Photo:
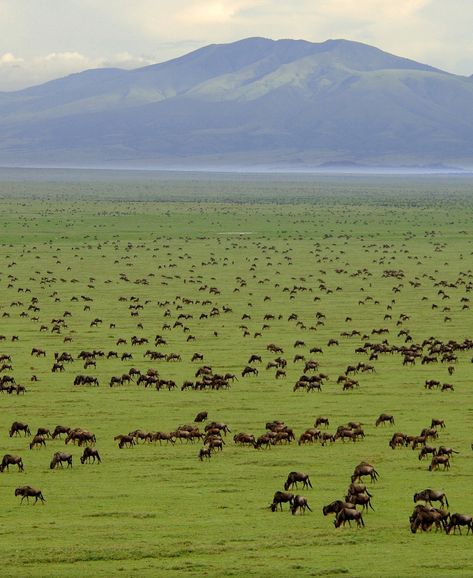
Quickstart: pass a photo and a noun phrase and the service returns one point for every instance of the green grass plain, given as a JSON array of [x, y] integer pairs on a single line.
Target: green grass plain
[[159, 511]]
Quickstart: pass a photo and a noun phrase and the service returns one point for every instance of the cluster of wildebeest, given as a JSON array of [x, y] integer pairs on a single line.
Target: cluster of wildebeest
[[374, 344]]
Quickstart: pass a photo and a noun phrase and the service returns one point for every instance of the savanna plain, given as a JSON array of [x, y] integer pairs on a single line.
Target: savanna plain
[[224, 267]]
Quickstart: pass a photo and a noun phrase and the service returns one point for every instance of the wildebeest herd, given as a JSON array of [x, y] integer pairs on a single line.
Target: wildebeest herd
[[236, 366]]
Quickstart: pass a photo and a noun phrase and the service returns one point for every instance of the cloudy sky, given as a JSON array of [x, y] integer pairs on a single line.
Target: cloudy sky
[[45, 39]]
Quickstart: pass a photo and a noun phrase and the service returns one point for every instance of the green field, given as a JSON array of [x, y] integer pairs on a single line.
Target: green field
[[183, 245]]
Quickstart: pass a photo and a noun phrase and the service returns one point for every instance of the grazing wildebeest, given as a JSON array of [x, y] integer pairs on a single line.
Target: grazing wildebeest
[[11, 460], [280, 498], [29, 492], [205, 453], [427, 450], [424, 518], [294, 477], [347, 515], [428, 496], [437, 422], [336, 506], [300, 503], [201, 416], [37, 441], [60, 429], [355, 489], [364, 469], [458, 520], [360, 499], [439, 460], [321, 420], [43, 431], [90, 454], [249, 371], [17, 426], [125, 440], [59, 458], [384, 418]]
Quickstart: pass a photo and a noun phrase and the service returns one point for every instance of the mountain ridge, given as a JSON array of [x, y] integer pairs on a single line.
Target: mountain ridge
[[257, 100]]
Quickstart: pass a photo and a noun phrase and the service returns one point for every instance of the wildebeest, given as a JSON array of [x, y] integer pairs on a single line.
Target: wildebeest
[[336, 506], [439, 460], [59, 458], [37, 441], [11, 460], [424, 518], [300, 503], [17, 426], [59, 430], [458, 520], [384, 418], [347, 515], [430, 496], [201, 416], [90, 454], [280, 498], [124, 440], [294, 477], [29, 492], [205, 453], [364, 469]]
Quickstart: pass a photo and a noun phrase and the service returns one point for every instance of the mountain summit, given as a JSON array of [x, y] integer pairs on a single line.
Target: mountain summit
[[251, 102]]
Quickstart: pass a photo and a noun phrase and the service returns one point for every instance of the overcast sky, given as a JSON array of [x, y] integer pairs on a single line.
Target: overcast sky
[[45, 39]]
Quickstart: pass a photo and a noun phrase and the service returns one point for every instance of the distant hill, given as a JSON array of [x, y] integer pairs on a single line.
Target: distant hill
[[287, 103]]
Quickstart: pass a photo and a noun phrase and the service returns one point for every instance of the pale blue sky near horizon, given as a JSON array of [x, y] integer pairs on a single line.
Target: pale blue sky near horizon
[[45, 39]]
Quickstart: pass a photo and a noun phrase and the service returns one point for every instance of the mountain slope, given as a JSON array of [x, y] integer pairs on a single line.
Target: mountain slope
[[252, 101]]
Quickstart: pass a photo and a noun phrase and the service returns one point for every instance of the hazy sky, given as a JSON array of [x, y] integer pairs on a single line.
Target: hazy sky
[[44, 39]]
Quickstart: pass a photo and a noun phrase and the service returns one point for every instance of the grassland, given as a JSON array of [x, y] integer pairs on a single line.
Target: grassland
[[156, 510]]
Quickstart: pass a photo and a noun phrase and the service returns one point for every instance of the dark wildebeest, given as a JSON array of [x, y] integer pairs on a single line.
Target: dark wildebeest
[[201, 416], [360, 499], [336, 506], [347, 515], [90, 453], [458, 520], [364, 469], [10, 460], [60, 429], [384, 418], [29, 492], [205, 453], [300, 503], [439, 460], [280, 498], [424, 518], [295, 477], [321, 420], [17, 426], [437, 422], [125, 440], [428, 496], [59, 458], [37, 441]]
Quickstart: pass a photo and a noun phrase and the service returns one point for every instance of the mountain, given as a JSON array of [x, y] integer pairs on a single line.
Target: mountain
[[252, 102]]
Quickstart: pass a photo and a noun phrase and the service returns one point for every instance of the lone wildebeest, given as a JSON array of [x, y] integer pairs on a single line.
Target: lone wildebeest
[[201, 416], [364, 469], [205, 453], [29, 492], [295, 477]]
